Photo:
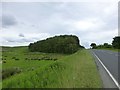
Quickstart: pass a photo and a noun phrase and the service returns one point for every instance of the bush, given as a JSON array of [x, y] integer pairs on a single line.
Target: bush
[[16, 59], [9, 72], [4, 61]]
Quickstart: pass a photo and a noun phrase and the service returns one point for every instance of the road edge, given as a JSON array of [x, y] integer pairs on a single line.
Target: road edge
[[108, 72]]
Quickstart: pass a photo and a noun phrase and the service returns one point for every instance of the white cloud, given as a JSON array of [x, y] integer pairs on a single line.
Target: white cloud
[[90, 21], [111, 9], [8, 38], [99, 37], [84, 25], [87, 24]]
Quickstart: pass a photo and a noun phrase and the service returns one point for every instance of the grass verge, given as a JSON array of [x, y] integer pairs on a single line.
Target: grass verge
[[73, 71], [112, 49]]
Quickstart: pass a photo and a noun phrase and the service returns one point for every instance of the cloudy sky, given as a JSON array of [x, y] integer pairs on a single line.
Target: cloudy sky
[[26, 22]]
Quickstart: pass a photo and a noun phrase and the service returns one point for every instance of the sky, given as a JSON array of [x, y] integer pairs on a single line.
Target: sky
[[22, 23]]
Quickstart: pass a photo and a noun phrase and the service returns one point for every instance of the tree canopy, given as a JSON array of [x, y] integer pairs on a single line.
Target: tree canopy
[[93, 45], [105, 45], [59, 44], [116, 42]]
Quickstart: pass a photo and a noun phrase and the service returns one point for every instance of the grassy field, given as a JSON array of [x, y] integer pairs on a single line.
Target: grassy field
[[24, 69]]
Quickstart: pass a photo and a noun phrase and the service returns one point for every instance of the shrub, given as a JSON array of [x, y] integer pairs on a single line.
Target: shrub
[[9, 72], [16, 59], [4, 61]]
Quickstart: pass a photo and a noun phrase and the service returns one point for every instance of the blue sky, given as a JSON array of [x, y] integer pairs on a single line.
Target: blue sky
[[26, 22]]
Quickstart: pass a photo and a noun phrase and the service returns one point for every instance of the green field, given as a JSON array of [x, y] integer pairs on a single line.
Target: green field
[[24, 69]]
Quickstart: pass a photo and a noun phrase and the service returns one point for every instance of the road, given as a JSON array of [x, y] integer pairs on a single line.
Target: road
[[110, 60]]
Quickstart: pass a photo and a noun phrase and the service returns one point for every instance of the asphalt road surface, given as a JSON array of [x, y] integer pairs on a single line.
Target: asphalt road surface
[[110, 61]]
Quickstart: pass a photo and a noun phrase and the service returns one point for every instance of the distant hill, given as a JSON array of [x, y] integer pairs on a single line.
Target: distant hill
[[58, 44]]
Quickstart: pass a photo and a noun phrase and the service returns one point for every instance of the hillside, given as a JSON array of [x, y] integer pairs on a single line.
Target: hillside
[[59, 44]]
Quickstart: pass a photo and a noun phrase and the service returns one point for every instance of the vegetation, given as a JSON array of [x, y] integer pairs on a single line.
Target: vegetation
[[93, 45], [105, 45], [59, 44], [112, 49], [116, 42], [77, 70], [115, 46]]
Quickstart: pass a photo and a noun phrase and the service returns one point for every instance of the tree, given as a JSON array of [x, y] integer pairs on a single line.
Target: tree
[[93, 45], [116, 42], [59, 44], [106, 45]]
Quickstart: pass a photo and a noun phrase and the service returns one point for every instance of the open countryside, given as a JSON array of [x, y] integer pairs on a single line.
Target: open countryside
[[23, 68], [59, 45]]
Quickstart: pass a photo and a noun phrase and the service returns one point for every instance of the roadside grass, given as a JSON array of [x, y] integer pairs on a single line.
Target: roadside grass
[[83, 70], [112, 49], [77, 70], [1, 85]]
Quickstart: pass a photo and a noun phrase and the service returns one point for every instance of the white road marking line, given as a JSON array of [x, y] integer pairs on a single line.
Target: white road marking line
[[114, 80]]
